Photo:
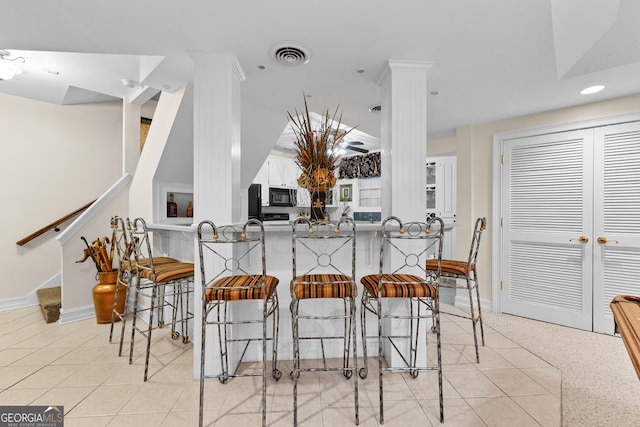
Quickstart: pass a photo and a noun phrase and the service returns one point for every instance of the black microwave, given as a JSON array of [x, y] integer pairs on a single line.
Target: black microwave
[[282, 196]]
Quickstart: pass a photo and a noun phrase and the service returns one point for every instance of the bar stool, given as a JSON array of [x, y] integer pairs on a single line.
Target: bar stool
[[404, 248], [324, 267], [467, 271], [233, 269], [124, 254], [166, 284]]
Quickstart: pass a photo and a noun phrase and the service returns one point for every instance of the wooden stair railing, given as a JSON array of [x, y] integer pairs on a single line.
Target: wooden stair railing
[[53, 225]]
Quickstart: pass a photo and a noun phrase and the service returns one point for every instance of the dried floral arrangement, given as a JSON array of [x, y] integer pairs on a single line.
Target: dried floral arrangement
[[317, 150]]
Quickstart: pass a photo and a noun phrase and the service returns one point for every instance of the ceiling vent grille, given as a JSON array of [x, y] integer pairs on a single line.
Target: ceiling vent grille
[[290, 54]]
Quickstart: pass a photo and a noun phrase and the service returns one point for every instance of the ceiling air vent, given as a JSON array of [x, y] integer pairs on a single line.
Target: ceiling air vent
[[290, 53]]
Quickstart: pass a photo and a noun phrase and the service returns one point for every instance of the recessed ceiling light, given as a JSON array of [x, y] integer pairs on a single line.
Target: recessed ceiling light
[[591, 89]]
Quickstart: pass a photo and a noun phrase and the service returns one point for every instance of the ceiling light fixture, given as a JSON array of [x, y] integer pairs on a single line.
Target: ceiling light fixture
[[591, 89], [129, 83], [8, 71]]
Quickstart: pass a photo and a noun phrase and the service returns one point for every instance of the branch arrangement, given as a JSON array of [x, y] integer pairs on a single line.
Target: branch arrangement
[[317, 150]]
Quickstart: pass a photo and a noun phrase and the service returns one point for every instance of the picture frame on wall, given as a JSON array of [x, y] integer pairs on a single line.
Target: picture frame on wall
[[345, 193]]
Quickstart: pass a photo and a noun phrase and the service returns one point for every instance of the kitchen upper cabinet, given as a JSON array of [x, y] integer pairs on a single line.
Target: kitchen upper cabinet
[[277, 171], [441, 186], [282, 172]]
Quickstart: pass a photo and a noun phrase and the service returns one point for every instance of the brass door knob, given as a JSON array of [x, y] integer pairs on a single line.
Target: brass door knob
[[603, 240], [581, 239]]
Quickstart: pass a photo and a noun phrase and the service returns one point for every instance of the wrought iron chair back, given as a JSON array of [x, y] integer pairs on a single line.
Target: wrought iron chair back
[[480, 226], [324, 248], [124, 253]]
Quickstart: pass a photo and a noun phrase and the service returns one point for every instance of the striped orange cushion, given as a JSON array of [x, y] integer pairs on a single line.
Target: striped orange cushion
[[169, 271], [241, 287], [448, 266], [157, 260], [144, 262], [398, 286], [323, 286]]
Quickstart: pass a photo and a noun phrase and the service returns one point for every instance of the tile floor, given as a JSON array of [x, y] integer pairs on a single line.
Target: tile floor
[[74, 365]]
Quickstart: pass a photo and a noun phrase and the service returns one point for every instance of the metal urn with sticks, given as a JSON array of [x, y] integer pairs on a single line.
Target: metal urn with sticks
[[101, 252]]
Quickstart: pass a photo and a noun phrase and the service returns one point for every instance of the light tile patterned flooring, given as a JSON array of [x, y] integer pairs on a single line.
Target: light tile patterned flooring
[[74, 365]]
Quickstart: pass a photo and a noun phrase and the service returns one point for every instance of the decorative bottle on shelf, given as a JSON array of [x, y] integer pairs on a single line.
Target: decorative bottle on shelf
[[172, 207], [190, 209]]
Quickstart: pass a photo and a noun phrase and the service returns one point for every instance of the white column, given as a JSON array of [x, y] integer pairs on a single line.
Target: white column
[[216, 166], [404, 178], [130, 137], [404, 139], [216, 136]]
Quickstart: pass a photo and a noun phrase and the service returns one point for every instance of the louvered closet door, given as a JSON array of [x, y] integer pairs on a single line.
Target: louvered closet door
[[548, 197], [616, 265]]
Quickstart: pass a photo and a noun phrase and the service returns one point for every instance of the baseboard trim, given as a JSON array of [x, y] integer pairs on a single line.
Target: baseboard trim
[[76, 314], [30, 299], [463, 302]]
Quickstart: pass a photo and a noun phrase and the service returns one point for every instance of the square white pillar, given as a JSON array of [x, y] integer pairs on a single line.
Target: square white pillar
[[404, 179]]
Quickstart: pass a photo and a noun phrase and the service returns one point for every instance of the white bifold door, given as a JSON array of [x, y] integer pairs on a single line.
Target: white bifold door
[[571, 224]]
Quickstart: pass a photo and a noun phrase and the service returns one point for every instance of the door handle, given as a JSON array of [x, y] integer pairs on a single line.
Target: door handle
[[581, 239], [603, 240]]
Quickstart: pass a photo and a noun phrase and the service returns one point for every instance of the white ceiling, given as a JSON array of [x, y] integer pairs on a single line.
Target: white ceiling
[[492, 59]]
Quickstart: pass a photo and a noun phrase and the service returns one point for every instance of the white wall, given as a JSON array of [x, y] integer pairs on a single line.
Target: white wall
[[78, 279], [473, 146], [53, 160], [141, 192]]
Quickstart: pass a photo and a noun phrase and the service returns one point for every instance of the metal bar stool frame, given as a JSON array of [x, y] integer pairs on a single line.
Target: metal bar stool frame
[[324, 277], [222, 285], [126, 272], [467, 271], [124, 252], [404, 248], [151, 278]]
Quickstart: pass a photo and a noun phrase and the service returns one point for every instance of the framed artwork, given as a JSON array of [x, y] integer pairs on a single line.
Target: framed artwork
[[345, 193]]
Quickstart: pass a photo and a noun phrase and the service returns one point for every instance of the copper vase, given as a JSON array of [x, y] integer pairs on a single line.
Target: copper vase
[[104, 294]]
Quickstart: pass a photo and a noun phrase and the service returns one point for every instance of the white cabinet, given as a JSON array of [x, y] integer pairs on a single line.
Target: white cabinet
[[277, 171], [283, 172], [369, 193], [441, 186]]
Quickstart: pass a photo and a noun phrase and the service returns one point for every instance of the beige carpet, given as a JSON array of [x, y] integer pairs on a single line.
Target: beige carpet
[[599, 385]]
